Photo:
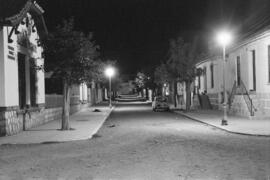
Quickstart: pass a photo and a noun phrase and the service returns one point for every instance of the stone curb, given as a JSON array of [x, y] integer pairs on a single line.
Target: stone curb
[[96, 130], [57, 142], [233, 132]]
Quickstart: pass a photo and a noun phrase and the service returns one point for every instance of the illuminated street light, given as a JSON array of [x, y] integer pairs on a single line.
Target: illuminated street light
[[224, 38], [109, 72]]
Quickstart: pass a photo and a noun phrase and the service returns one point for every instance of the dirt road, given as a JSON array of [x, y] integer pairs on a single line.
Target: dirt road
[[135, 144]]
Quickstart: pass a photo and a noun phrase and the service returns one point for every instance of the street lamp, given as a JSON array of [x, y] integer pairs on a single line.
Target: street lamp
[[224, 38], [109, 72]]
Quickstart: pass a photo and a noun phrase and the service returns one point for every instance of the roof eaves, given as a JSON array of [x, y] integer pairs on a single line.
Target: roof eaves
[[251, 38], [17, 18], [208, 58]]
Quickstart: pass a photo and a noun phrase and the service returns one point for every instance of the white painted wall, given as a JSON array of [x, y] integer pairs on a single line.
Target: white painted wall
[[41, 83], [9, 89], [37, 54], [260, 45], [10, 71], [83, 92], [217, 72]]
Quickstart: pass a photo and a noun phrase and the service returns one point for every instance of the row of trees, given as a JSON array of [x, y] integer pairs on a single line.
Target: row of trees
[[179, 66], [143, 81], [73, 57]]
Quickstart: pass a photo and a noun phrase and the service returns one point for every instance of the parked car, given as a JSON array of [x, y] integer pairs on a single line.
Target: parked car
[[160, 103]]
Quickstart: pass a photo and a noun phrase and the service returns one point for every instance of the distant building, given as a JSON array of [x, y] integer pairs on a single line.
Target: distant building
[[126, 87]]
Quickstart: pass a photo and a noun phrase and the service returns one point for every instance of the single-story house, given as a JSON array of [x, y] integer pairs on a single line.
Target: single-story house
[[21, 83], [247, 69]]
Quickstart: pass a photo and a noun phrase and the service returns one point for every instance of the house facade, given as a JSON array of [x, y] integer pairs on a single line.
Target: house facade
[[247, 70], [210, 80], [26, 101], [21, 83]]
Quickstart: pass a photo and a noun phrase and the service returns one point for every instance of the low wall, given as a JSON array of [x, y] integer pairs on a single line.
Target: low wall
[[213, 100], [239, 106], [12, 121], [196, 102], [53, 100], [15, 121], [261, 102]]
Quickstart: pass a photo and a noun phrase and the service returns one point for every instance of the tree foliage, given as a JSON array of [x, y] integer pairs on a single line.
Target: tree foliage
[[181, 62], [70, 55], [140, 81], [180, 65], [162, 74]]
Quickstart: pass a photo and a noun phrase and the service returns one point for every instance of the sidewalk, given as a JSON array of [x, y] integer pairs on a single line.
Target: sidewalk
[[236, 124], [85, 123]]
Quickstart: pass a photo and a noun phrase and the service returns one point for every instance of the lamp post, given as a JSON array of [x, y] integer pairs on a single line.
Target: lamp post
[[109, 72], [224, 38]]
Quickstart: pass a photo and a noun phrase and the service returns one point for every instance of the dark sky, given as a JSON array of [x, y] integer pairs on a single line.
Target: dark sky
[[136, 32]]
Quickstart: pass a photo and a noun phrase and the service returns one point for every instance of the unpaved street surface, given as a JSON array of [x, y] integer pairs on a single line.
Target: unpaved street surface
[[135, 144]]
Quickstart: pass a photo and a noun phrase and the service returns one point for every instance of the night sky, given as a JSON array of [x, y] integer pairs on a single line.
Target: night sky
[[136, 32]]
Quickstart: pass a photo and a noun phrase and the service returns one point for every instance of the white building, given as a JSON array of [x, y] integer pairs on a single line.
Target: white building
[[21, 84], [247, 76]]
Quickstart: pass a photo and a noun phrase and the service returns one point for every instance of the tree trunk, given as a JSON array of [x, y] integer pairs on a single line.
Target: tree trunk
[[188, 95], [146, 92], [175, 93], [66, 106]]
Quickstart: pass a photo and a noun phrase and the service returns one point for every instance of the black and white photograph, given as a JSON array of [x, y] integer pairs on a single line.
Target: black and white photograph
[[134, 89]]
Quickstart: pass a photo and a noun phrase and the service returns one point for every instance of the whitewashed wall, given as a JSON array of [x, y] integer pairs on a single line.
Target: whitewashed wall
[[260, 45], [217, 72], [83, 92], [9, 90], [9, 73], [261, 96]]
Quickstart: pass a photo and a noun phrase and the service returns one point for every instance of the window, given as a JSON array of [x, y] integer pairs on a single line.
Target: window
[[199, 81], [205, 78], [269, 63], [22, 83], [212, 75], [238, 71], [33, 82]]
